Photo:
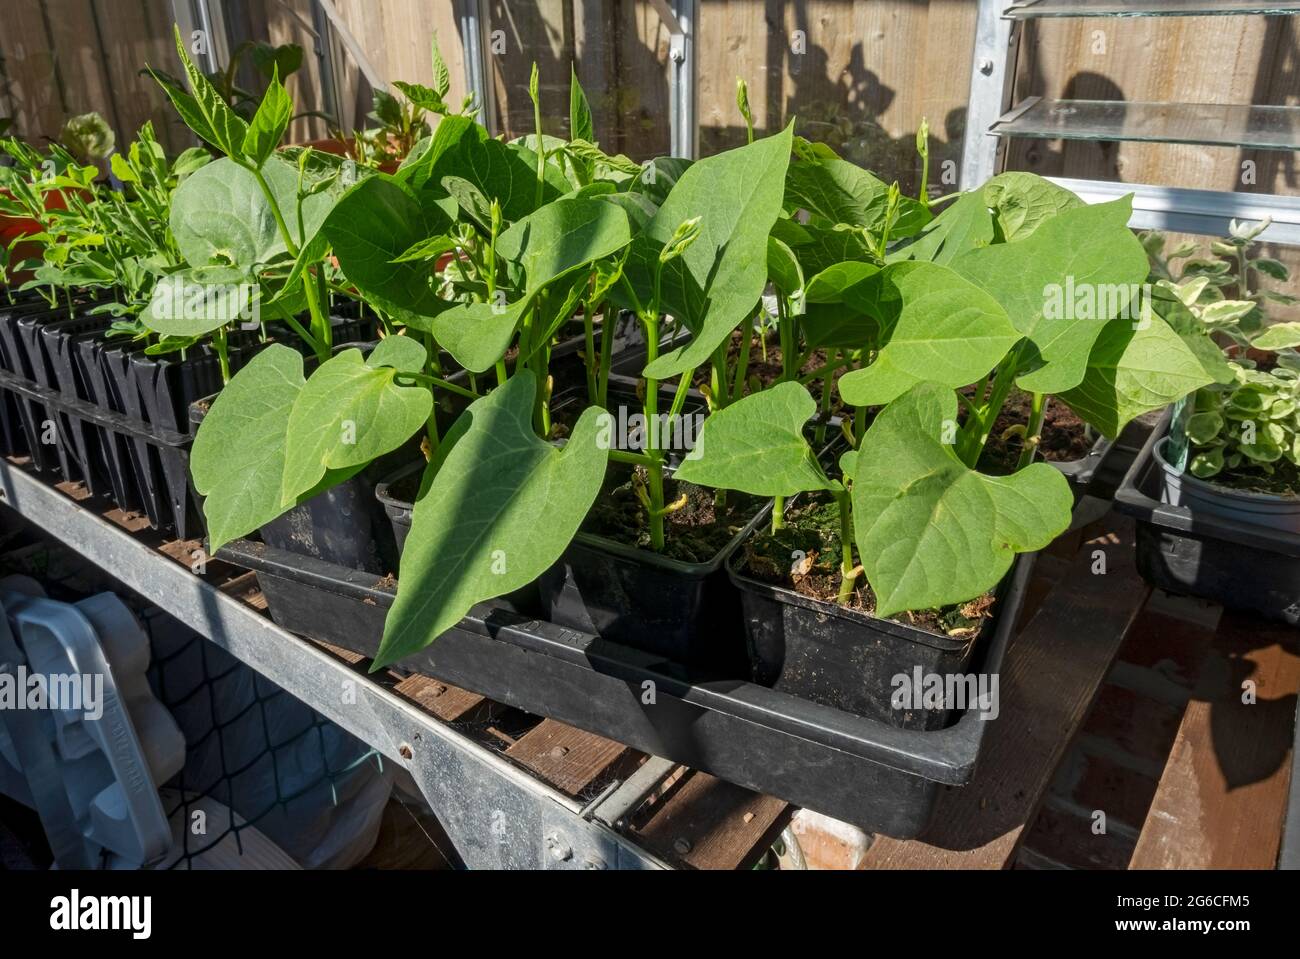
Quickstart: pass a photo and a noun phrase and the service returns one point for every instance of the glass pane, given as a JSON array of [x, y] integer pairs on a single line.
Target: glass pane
[[1029, 9], [1258, 127]]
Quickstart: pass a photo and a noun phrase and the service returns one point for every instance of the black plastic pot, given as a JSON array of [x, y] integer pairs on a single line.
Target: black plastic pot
[[20, 355], [884, 779], [851, 660], [683, 612], [346, 525], [1084, 473], [1194, 538]]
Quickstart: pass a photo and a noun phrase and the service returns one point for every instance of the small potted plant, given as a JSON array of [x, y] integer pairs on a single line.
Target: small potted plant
[[1217, 488], [934, 535]]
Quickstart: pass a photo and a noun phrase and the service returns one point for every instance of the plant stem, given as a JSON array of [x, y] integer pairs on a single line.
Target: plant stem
[[789, 346], [778, 514], [223, 353], [589, 355], [847, 568], [439, 383], [828, 384], [606, 360], [975, 434], [655, 471], [742, 365], [1034, 431]]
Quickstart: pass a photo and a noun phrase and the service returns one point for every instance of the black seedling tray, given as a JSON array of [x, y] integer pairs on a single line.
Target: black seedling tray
[[1083, 473], [29, 416], [1237, 564], [883, 779]]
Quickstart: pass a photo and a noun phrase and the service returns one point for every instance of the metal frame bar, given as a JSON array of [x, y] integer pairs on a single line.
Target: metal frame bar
[[992, 75], [208, 16], [496, 815], [323, 41], [1177, 209], [1205, 212], [682, 82], [368, 70], [473, 16]]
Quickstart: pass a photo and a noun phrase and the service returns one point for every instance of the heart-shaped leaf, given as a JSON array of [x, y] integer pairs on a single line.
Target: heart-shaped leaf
[[221, 217], [1022, 202], [931, 532], [714, 286], [371, 228], [190, 303], [563, 236], [948, 331], [757, 446], [964, 226], [478, 334], [349, 413], [501, 509], [238, 457], [1060, 285], [1132, 371]]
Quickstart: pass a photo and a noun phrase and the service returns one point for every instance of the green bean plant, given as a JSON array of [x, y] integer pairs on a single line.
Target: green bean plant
[[1016, 284]]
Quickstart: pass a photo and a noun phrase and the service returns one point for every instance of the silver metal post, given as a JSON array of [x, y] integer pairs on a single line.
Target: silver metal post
[[682, 78], [472, 19], [992, 72]]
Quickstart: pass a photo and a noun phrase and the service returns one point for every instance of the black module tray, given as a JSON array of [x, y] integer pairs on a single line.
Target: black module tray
[[1181, 550], [883, 779]]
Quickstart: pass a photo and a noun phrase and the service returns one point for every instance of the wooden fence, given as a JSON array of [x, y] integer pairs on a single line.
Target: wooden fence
[[859, 74]]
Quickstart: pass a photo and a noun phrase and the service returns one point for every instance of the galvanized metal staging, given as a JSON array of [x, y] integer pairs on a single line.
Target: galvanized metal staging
[[496, 814]]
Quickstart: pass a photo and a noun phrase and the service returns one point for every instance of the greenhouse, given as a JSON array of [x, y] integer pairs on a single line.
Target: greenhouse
[[650, 435]]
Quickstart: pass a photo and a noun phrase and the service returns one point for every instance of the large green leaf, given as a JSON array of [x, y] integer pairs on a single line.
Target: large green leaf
[[714, 286], [501, 509], [351, 412], [821, 247], [963, 226], [238, 457], [371, 227], [417, 169], [948, 331], [206, 113], [837, 191], [478, 334], [1044, 282], [503, 172], [658, 177], [190, 303], [757, 446], [562, 236], [549, 245], [1132, 371], [221, 217], [1022, 202], [931, 532]]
